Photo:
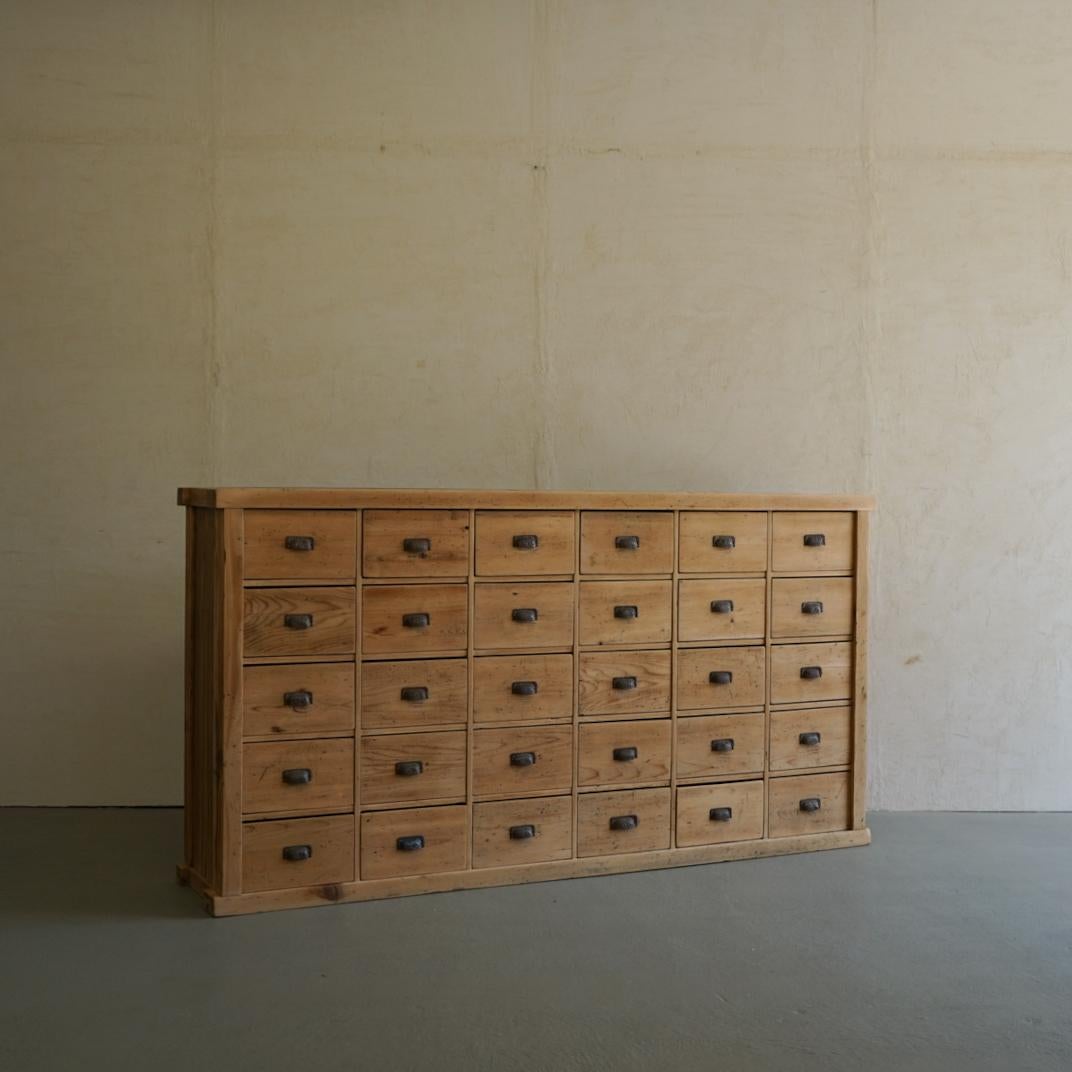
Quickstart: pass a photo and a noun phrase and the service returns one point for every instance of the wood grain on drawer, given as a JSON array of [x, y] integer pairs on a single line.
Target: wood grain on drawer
[[811, 606], [398, 767], [810, 804], [710, 746], [523, 688], [723, 609], [619, 753], [629, 820], [811, 672], [814, 737], [414, 692], [416, 543], [297, 698], [525, 542], [415, 841], [624, 683], [722, 542], [284, 853], [298, 776], [298, 621], [523, 615], [625, 612], [627, 541], [299, 544], [528, 759], [412, 618], [508, 832], [713, 814], [813, 541], [713, 678]]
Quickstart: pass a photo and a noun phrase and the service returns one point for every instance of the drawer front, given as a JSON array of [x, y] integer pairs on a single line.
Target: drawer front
[[627, 542], [810, 804], [298, 621], [411, 618], [618, 753], [535, 759], [725, 609], [284, 853], [416, 543], [814, 541], [299, 698], [414, 692], [713, 814], [817, 737], [714, 678], [509, 832], [709, 746], [299, 544], [624, 683], [523, 688], [537, 615], [398, 767], [297, 776], [630, 820], [625, 612], [524, 543], [811, 606], [722, 542], [416, 841], [806, 672]]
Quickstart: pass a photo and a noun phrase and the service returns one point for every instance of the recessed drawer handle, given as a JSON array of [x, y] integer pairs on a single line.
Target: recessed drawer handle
[[524, 614], [810, 738], [523, 832], [624, 755], [416, 621], [527, 542], [627, 611], [815, 539], [722, 606], [720, 815], [720, 677], [298, 776], [623, 684], [297, 853], [727, 543], [524, 688], [298, 621], [624, 822], [416, 545], [407, 768], [415, 693], [723, 744], [627, 543], [412, 843], [811, 804], [522, 759], [811, 607], [811, 673], [299, 701], [299, 543]]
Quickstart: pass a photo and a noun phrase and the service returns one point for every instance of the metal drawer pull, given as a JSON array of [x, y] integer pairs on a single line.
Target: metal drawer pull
[[297, 853], [407, 768], [416, 545], [524, 614], [623, 755], [726, 542], [811, 673], [720, 677], [720, 815], [623, 684], [812, 607], [526, 543], [299, 701], [810, 738], [522, 759], [298, 621], [723, 744], [416, 621], [410, 844], [628, 611], [624, 822], [298, 776], [524, 688], [523, 832], [815, 539], [415, 693], [722, 606], [299, 543], [627, 543], [810, 804]]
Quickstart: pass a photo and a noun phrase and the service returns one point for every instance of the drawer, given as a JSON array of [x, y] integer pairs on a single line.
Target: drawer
[[816, 737], [416, 543], [297, 776], [299, 544], [414, 618], [509, 832], [285, 853], [617, 753], [530, 759], [416, 841], [722, 542], [813, 541], [414, 692], [629, 820], [724, 609], [399, 767], [810, 804], [627, 542], [811, 606], [300, 698], [624, 683], [801, 673], [528, 615], [713, 814], [519, 543], [710, 746], [298, 621], [523, 688], [712, 678], [626, 612]]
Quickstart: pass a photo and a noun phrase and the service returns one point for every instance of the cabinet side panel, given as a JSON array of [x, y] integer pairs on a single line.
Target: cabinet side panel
[[863, 627]]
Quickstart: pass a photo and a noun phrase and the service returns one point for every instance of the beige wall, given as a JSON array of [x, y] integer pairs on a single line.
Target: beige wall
[[746, 245]]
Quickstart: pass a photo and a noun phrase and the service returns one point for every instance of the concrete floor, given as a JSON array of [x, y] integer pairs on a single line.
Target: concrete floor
[[946, 945]]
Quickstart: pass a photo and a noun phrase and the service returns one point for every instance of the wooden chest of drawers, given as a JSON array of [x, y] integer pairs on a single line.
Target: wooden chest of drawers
[[394, 692]]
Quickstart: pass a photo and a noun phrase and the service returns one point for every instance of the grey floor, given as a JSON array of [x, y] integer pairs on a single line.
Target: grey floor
[[946, 945]]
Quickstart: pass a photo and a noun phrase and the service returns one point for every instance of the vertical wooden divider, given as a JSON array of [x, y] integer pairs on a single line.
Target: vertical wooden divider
[[229, 554], [359, 521], [576, 677], [768, 646], [470, 670], [674, 586], [860, 654]]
